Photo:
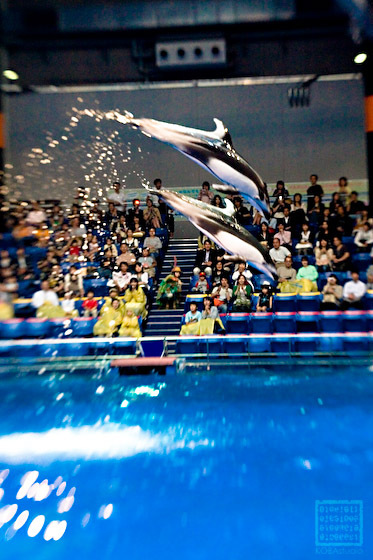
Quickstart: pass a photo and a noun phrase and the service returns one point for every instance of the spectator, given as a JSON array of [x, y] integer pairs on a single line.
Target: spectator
[[135, 298], [74, 250], [205, 195], [286, 221], [340, 224], [202, 285], [361, 219], [210, 321], [316, 210], [148, 262], [153, 243], [308, 272], [130, 325], [74, 282], [332, 294], [90, 305], [364, 238], [132, 243], [265, 299], [280, 190], [142, 277], [68, 305], [206, 259], [344, 191], [313, 189], [242, 214], [122, 278], [218, 202], [222, 295], [107, 264], [110, 319], [138, 228], [278, 253], [355, 206], [192, 319], [77, 229], [125, 256], [241, 295], [152, 215], [135, 212], [341, 258], [305, 246], [109, 244], [335, 202], [169, 290], [112, 217], [279, 206], [45, 294], [286, 272], [265, 238], [117, 197], [324, 256], [353, 292], [370, 277], [241, 269], [323, 233], [36, 216], [283, 236], [297, 215], [121, 229]]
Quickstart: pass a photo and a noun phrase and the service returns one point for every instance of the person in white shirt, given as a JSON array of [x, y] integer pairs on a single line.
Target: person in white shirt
[[45, 295], [278, 253], [241, 269], [77, 229], [36, 216], [117, 197], [122, 278], [353, 292], [364, 238]]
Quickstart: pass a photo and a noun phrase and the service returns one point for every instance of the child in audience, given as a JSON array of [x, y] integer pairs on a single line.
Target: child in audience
[[265, 298], [90, 305]]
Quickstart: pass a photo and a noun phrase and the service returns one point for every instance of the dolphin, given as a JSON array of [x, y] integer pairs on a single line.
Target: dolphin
[[212, 150], [222, 228]]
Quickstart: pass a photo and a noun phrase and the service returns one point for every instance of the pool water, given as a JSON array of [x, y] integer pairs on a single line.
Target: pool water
[[222, 465]]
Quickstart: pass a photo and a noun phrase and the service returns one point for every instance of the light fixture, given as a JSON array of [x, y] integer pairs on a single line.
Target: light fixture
[[10, 75], [360, 58]]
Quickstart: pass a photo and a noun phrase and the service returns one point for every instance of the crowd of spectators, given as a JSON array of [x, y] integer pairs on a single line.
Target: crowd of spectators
[[57, 256], [315, 245]]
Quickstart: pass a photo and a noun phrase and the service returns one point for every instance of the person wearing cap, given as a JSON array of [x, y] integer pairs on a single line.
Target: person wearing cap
[[169, 290], [202, 286]]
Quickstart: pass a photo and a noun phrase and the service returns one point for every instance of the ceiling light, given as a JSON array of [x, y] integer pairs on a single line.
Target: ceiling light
[[10, 75], [360, 58]]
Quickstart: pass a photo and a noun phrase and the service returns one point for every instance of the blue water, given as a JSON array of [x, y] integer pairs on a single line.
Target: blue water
[[221, 466]]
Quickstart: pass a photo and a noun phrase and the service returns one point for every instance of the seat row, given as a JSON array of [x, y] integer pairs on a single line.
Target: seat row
[[67, 348], [286, 302], [219, 346], [43, 328]]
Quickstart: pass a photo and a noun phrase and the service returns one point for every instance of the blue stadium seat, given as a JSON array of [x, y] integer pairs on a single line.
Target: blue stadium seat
[[330, 344], [356, 344], [259, 344], [369, 316], [236, 345], [124, 347], [61, 327], [282, 344], [285, 303], [238, 323], [368, 301], [306, 344], [308, 321], [98, 285], [195, 298], [83, 326], [50, 349], [361, 261], [308, 302], [99, 347], [37, 328], [284, 323], [261, 323], [211, 344], [331, 321], [12, 328], [354, 321], [187, 345], [349, 242]]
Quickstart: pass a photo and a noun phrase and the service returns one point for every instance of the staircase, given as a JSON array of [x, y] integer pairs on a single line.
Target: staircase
[[166, 322]]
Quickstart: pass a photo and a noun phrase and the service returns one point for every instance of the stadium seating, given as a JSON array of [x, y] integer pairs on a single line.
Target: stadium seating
[[354, 321], [12, 328], [285, 303], [259, 344], [361, 261], [331, 321], [261, 323], [187, 345], [37, 328], [236, 345], [238, 323], [83, 326], [212, 345], [284, 323], [307, 321], [308, 302]]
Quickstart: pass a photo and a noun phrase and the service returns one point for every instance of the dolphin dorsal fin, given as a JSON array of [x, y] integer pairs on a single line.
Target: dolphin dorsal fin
[[220, 130]]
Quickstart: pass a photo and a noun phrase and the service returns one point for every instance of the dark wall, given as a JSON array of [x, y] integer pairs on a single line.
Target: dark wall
[[326, 138]]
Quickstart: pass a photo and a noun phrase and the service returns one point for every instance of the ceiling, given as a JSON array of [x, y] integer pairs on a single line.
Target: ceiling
[[72, 42]]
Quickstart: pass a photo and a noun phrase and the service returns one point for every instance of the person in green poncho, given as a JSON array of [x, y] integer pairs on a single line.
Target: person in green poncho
[[169, 290]]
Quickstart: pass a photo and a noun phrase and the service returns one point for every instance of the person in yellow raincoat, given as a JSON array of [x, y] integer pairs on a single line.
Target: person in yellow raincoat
[[130, 325], [135, 298], [192, 320], [210, 322], [6, 311], [109, 321]]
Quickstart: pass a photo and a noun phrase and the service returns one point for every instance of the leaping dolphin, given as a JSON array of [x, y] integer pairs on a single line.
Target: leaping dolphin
[[222, 228], [212, 150]]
